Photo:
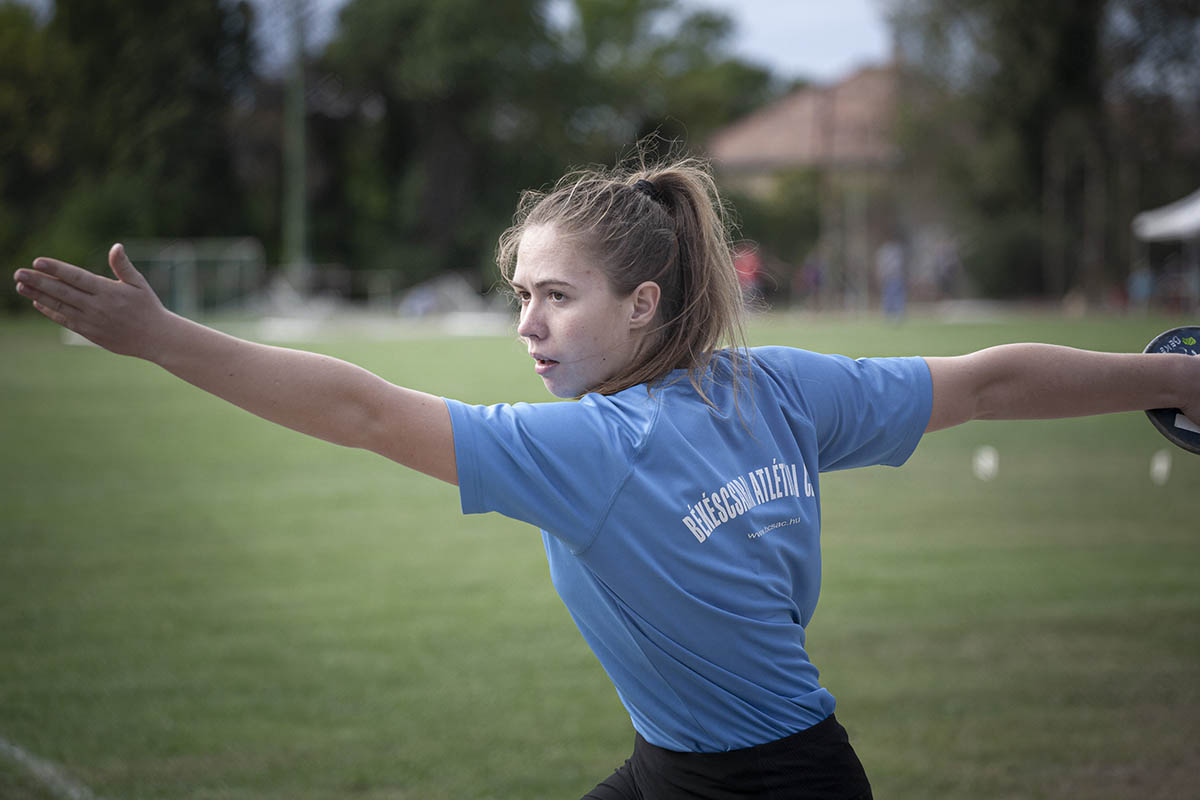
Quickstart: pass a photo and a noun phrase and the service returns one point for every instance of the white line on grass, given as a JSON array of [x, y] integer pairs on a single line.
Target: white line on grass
[[50, 776]]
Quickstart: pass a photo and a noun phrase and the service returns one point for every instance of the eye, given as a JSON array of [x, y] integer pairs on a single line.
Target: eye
[[557, 297], [522, 296]]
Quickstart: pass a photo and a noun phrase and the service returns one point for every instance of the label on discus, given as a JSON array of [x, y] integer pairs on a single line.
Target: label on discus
[[1183, 423], [1171, 422]]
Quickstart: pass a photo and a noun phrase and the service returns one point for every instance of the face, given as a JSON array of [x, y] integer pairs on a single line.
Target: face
[[578, 331]]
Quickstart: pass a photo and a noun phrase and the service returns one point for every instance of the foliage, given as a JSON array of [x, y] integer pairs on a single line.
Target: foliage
[[113, 122], [140, 118], [1045, 127], [28, 80], [1042, 127], [461, 104]]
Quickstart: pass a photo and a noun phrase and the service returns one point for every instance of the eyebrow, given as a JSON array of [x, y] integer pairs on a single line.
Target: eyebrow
[[543, 284]]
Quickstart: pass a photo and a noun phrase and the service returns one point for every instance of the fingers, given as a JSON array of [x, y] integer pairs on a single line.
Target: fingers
[[50, 292], [62, 287], [122, 267], [68, 273], [56, 316], [81, 279], [51, 307]]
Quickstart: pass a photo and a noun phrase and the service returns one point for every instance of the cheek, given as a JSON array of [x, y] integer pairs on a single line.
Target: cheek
[[604, 339], [584, 331], [597, 335]]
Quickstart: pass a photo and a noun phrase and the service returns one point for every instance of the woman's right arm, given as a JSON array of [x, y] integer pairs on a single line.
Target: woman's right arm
[[311, 393]]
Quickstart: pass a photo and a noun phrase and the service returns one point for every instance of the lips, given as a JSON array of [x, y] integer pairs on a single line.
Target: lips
[[542, 365]]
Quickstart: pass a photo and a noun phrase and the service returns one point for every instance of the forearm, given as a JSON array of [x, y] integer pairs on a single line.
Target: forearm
[[307, 392], [310, 393], [1038, 381]]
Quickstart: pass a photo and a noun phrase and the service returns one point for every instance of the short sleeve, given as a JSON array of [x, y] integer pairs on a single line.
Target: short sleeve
[[554, 465], [865, 411]]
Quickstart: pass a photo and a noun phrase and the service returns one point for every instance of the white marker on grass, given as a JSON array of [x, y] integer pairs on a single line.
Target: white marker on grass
[[986, 462], [1160, 468]]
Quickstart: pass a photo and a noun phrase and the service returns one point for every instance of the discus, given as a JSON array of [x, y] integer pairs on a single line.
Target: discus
[[1171, 422]]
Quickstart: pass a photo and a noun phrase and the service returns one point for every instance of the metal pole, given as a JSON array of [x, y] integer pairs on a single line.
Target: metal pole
[[295, 207]]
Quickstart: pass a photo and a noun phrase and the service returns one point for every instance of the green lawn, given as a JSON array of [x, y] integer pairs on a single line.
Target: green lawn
[[195, 604]]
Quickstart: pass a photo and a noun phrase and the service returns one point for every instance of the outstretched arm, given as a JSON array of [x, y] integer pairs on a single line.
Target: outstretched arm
[[314, 394], [1040, 381]]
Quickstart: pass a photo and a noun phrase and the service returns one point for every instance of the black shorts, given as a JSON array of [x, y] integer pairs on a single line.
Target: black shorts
[[814, 764]]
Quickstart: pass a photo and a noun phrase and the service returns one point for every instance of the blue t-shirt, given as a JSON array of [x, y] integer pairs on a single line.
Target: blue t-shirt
[[685, 541]]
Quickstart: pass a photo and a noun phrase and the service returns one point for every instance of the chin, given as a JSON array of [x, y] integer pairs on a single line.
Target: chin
[[568, 389], [572, 383], [563, 392]]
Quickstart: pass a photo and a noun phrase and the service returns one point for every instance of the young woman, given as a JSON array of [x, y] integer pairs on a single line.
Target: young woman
[[678, 497]]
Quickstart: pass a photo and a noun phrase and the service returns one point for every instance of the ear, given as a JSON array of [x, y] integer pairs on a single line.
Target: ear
[[645, 304]]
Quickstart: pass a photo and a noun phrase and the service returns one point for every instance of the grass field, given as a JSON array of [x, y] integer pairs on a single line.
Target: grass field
[[195, 604]]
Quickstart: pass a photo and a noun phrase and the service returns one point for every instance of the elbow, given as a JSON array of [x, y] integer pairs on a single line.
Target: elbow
[[988, 387], [962, 391], [988, 402], [353, 422], [365, 429]]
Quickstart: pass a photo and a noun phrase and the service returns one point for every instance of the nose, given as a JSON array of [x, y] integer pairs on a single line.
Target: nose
[[530, 324]]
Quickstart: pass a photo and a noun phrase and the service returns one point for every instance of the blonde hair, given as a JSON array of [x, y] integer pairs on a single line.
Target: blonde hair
[[663, 223]]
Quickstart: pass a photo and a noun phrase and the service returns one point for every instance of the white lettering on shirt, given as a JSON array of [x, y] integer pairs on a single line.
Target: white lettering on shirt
[[728, 502]]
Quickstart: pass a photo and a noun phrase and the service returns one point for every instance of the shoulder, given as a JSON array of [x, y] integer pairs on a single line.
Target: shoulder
[[630, 414], [818, 381], [783, 370], [810, 365], [620, 421], [795, 358], [555, 465]]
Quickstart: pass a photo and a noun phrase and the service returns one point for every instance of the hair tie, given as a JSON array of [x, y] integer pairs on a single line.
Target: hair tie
[[650, 190]]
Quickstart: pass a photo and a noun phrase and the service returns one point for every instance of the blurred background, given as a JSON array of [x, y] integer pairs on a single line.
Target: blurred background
[[369, 152], [194, 604]]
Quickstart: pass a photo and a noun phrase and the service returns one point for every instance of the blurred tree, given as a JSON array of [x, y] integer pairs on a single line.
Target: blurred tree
[[28, 77], [1030, 120], [432, 88], [125, 126], [425, 119], [651, 68], [455, 106]]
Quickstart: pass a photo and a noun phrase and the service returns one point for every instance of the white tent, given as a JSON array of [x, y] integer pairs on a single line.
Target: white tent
[[1175, 222]]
